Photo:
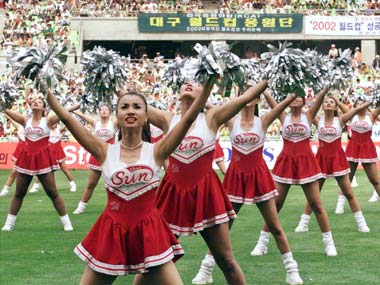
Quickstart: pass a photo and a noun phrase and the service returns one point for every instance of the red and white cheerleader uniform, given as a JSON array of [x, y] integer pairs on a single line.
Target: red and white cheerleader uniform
[[107, 134], [36, 157], [20, 144], [218, 152], [360, 147], [156, 133], [130, 236], [248, 179], [330, 156], [56, 146], [296, 163], [191, 196]]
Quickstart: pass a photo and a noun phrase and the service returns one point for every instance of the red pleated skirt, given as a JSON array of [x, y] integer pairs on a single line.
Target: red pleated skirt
[[129, 237], [36, 158], [332, 159], [58, 151], [218, 152], [248, 179], [361, 148], [296, 164], [19, 148], [93, 163], [191, 197]]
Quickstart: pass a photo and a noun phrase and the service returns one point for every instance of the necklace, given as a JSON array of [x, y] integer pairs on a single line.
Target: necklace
[[131, 148]]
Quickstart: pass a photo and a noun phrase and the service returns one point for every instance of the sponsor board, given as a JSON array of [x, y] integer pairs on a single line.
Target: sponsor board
[[77, 157]]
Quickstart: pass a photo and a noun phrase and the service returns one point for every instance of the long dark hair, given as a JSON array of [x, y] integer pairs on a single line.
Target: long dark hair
[[146, 135], [256, 111], [45, 112], [135, 93], [336, 103]]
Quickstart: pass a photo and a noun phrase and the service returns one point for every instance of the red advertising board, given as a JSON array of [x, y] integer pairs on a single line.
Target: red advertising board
[[77, 157]]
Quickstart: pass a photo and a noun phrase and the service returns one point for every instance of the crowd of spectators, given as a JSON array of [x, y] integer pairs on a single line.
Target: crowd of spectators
[[145, 76], [307, 7], [122, 8], [131, 8], [44, 23], [30, 23]]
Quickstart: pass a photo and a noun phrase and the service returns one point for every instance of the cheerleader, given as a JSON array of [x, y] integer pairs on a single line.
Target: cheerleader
[[191, 196], [218, 158], [130, 236], [21, 140], [249, 181], [105, 129], [156, 133], [55, 144], [332, 159], [296, 164], [36, 158], [361, 149]]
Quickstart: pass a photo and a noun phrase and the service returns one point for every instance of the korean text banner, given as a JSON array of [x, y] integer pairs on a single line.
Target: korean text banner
[[222, 23], [342, 25]]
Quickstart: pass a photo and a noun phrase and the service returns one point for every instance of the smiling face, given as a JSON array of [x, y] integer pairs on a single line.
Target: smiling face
[[131, 111], [190, 90]]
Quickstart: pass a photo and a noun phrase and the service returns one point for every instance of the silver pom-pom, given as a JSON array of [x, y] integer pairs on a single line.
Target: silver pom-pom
[[218, 60], [173, 74], [43, 67], [340, 70], [105, 73], [277, 96], [287, 69], [8, 95], [88, 103], [356, 96], [253, 70], [319, 69], [66, 100], [375, 95], [157, 104]]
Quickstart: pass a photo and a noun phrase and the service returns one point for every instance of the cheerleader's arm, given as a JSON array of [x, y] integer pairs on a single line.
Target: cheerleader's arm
[[221, 114], [165, 146], [343, 107], [313, 110], [88, 119], [375, 113], [350, 114], [17, 117], [277, 111], [13, 122], [94, 145], [159, 118], [272, 103], [53, 119]]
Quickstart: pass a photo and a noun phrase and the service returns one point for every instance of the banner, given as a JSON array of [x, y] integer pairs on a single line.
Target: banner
[[272, 149], [77, 157], [223, 23], [342, 25]]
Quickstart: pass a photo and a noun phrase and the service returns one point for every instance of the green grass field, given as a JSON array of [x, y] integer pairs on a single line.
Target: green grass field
[[39, 251]]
